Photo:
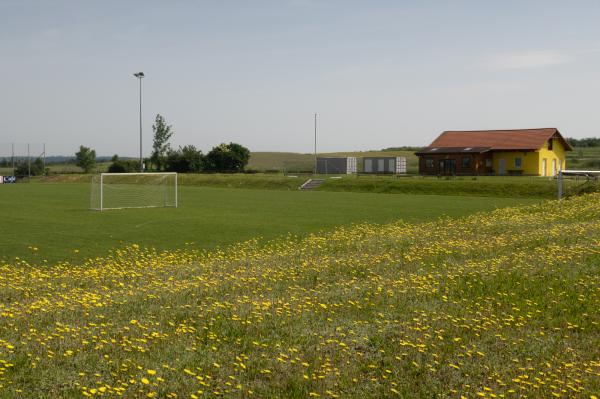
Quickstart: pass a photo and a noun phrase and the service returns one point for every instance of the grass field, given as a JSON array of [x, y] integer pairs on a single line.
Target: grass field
[[499, 304], [487, 186], [51, 221]]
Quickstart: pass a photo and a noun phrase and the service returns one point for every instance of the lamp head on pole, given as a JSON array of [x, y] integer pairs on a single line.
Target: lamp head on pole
[[139, 75]]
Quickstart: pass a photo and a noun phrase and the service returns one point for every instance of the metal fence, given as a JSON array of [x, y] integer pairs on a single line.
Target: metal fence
[[22, 159]]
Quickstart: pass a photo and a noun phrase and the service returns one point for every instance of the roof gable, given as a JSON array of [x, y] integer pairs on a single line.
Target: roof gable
[[521, 139]]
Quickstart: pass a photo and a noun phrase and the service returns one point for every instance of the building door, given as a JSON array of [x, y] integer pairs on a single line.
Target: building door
[[380, 165], [448, 166], [554, 167], [544, 167], [368, 165], [502, 167], [391, 165]]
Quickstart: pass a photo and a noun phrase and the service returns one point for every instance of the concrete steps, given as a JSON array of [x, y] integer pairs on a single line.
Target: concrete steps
[[311, 184]]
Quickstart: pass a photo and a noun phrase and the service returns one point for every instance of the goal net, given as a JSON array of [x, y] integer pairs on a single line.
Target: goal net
[[574, 182], [133, 190]]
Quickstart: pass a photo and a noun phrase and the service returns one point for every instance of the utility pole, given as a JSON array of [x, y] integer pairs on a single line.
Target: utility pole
[[315, 144], [140, 75]]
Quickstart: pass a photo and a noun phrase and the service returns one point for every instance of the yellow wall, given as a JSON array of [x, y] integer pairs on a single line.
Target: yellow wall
[[532, 161], [529, 161], [558, 153]]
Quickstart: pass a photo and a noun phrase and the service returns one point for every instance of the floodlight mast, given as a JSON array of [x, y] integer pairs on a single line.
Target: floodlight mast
[[140, 75], [316, 166]]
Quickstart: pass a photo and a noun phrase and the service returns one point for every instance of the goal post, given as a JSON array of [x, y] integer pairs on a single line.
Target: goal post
[[133, 190], [571, 182]]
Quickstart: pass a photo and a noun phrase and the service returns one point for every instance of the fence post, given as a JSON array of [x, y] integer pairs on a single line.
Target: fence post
[[559, 181]]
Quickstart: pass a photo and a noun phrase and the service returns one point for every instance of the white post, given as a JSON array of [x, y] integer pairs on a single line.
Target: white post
[[101, 190], [175, 190]]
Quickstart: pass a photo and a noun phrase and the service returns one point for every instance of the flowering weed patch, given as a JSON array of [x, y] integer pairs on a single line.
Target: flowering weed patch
[[498, 304]]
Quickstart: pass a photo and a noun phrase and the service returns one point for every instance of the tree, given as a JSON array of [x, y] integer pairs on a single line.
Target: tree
[[183, 160], [587, 142], [160, 146], [230, 157], [85, 158]]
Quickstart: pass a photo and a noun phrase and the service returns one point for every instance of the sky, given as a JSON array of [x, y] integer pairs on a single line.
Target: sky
[[378, 73]]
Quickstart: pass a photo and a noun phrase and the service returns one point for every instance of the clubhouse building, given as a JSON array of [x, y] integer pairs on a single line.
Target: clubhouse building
[[535, 152]]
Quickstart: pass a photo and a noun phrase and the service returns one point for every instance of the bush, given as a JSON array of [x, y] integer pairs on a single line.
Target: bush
[[230, 157], [186, 159], [36, 168], [123, 165]]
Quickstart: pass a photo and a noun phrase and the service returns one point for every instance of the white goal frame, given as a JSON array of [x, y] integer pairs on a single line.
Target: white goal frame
[[589, 174], [102, 175]]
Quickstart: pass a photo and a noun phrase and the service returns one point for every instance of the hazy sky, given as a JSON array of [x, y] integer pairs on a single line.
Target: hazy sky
[[378, 73]]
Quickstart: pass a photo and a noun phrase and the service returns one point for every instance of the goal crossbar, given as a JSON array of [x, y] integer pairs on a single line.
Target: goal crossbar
[[134, 190]]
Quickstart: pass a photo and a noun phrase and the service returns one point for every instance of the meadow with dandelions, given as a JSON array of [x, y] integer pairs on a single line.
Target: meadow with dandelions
[[498, 304]]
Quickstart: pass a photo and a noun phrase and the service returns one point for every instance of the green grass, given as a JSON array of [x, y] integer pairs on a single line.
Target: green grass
[[499, 304], [493, 186], [488, 186], [54, 217]]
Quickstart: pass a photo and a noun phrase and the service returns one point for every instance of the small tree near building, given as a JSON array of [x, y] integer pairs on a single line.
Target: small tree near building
[[230, 157], [160, 146], [85, 158]]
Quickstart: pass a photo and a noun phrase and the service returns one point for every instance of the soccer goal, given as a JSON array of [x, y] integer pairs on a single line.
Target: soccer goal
[[573, 182], [133, 190]]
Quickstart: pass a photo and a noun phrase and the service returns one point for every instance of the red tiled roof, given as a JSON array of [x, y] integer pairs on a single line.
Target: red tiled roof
[[521, 139]]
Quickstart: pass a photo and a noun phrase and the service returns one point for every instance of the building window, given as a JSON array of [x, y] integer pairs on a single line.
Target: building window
[[429, 163], [518, 162], [550, 144], [488, 163], [466, 163]]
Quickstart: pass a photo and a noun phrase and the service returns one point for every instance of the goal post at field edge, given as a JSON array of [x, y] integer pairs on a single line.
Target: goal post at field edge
[[581, 179], [134, 190]]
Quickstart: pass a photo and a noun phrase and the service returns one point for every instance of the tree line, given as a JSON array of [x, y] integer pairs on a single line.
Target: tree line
[[230, 157], [587, 142]]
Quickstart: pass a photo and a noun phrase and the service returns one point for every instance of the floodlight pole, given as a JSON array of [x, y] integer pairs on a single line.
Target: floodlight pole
[[315, 144], [13, 158], [140, 75]]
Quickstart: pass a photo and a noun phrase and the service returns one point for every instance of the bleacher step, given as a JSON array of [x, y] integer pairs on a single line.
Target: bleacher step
[[311, 184]]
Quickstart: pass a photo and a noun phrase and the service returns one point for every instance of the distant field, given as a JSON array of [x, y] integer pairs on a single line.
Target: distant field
[[52, 221], [62, 168], [585, 158]]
